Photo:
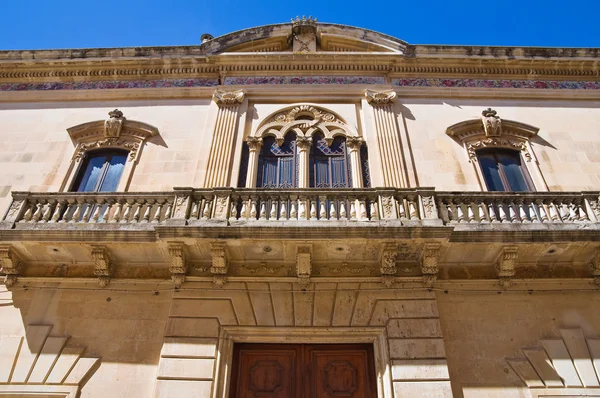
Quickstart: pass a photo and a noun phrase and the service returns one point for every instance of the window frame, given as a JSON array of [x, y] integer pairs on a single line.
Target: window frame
[[494, 152], [109, 153]]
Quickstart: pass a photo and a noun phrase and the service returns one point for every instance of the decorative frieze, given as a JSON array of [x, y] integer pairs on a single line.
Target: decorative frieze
[[429, 263], [304, 264], [110, 84], [103, 264], [498, 83], [387, 264], [299, 79], [505, 266], [179, 265], [220, 264], [10, 264]]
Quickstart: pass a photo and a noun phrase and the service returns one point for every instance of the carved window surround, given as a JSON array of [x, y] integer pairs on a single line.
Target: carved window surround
[[304, 120], [115, 132], [490, 131]]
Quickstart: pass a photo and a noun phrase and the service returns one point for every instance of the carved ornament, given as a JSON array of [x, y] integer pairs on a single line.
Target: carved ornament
[[380, 97], [220, 264], [505, 266], [10, 265], [113, 126], [228, 97], [179, 265], [492, 124], [254, 143], [429, 263], [387, 265], [132, 147], [303, 264], [103, 264], [354, 143], [595, 266], [521, 146]]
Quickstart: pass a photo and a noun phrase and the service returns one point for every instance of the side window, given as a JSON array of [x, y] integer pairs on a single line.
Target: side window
[[503, 170], [101, 171], [277, 164]]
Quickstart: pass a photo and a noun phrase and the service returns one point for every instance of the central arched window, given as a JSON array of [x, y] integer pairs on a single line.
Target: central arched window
[[329, 164], [277, 165]]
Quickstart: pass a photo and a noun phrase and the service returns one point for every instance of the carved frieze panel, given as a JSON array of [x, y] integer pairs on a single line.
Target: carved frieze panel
[[103, 264], [10, 264]]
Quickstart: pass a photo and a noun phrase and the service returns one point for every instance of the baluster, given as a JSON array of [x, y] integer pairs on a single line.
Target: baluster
[[137, 212], [244, 210], [29, 213], [543, 214], [194, 212], [169, 210], [470, 213], [563, 212], [127, 212], [352, 209], [253, 209], [67, 216], [363, 210], [460, 213], [263, 210], [48, 211], [450, 213], [207, 209], [78, 205], [481, 213], [58, 211], [491, 206], [401, 210], [332, 211], [553, 212], [302, 209], [322, 208], [283, 210], [532, 213], [38, 212], [343, 214], [522, 211], [294, 209], [273, 212], [502, 212], [97, 208], [583, 217], [512, 213], [156, 218], [87, 214], [573, 214], [374, 212], [117, 214], [313, 209]]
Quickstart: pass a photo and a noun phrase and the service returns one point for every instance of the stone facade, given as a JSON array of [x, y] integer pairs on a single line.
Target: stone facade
[[144, 290]]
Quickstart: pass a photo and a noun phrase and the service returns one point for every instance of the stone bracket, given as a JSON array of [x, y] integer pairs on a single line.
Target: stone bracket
[[387, 265], [505, 266], [179, 265], [429, 263], [595, 266], [10, 264], [304, 264], [103, 264], [220, 264]]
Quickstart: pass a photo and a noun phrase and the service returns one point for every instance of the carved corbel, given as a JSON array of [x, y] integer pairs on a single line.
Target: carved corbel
[[505, 266], [387, 265], [10, 265], [429, 263], [179, 264], [220, 263], [304, 264], [224, 98], [595, 266], [103, 264], [375, 98], [114, 125], [492, 124]]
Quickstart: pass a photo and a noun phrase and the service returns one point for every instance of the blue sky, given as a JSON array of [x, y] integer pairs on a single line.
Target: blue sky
[[37, 24]]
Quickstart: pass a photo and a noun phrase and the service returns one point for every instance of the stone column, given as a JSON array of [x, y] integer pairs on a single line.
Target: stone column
[[354, 144], [304, 144], [219, 160], [254, 145], [388, 140]]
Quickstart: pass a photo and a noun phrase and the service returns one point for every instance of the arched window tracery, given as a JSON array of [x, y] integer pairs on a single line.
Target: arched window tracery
[[277, 163]]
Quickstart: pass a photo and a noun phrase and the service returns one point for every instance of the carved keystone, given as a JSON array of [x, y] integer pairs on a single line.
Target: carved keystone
[[505, 267], [103, 264], [10, 264], [304, 264], [387, 265], [492, 124], [179, 264], [114, 125], [220, 265], [429, 263]]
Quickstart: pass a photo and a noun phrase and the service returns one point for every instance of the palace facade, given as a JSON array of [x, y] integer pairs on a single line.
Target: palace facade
[[300, 210]]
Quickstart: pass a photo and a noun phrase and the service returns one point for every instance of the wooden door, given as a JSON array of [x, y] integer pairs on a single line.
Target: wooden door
[[303, 371]]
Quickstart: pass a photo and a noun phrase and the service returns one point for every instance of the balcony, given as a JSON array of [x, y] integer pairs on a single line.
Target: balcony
[[372, 211]]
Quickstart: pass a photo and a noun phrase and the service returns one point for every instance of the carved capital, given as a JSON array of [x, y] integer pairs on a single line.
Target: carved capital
[[505, 266], [224, 98], [429, 263], [220, 264], [114, 125], [303, 143], [103, 264], [254, 143], [492, 124], [354, 143], [10, 264], [380, 97], [179, 264], [304, 264]]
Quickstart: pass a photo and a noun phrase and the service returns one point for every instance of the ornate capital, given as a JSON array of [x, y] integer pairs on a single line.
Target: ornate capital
[[505, 267], [354, 143], [113, 126], [103, 264], [228, 97], [492, 124], [304, 264], [380, 97], [10, 264], [220, 264], [179, 264], [429, 263], [303, 143], [254, 143]]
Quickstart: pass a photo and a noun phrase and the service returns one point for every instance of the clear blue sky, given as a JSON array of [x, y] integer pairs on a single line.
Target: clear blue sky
[[37, 24]]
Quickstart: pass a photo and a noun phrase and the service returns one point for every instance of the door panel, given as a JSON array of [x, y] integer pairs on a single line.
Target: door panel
[[303, 371]]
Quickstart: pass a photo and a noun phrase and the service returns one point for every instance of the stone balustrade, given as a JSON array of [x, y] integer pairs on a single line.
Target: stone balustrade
[[420, 206]]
